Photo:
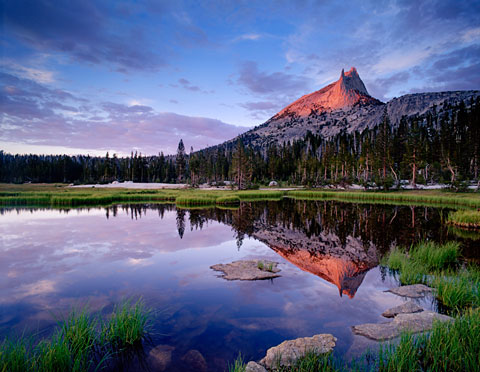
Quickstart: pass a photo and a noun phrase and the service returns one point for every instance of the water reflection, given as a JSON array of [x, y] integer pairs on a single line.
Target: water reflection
[[51, 260]]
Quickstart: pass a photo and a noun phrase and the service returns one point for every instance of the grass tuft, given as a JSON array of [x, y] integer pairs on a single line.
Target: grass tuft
[[437, 265], [79, 344], [128, 325], [434, 256], [451, 346], [238, 365], [466, 219]]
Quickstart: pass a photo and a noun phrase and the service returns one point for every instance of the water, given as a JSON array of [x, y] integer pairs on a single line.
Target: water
[[53, 260]]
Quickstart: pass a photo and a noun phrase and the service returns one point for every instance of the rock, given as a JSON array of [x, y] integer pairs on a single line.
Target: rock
[[195, 360], [248, 270], [254, 367], [416, 322], [289, 351], [406, 308], [160, 357], [413, 291]]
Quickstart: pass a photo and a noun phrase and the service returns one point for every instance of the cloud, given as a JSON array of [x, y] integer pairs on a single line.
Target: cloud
[[250, 37], [40, 116], [261, 109], [380, 87], [401, 37], [186, 84], [270, 83], [36, 74], [86, 30]]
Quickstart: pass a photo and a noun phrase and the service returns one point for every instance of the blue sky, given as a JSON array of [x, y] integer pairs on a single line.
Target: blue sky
[[86, 76]]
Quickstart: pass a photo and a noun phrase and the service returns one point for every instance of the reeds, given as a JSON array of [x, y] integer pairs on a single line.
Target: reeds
[[424, 197], [238, 365], [437, 265], [450, 346], [128, 325], [465, 219], [435, 256], [81, 343]]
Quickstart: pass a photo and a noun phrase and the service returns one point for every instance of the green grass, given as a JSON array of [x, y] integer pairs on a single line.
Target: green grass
[[434, 256], [451, 346], [81, 342], [57, 195], [458, 290], [238, 365], [395, 259], [310, 362], [465, 219], [127, 326], [413, 272], [437, 265], [414, 197], [260, 265], [14, 355]]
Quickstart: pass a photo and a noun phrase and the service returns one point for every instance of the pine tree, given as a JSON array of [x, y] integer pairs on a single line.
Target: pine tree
[[180, 161], [241, 166]]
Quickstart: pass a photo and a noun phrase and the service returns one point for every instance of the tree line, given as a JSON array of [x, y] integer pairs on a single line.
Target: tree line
[[435, 147]]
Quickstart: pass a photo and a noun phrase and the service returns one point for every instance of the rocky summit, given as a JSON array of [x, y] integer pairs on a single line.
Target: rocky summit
[[346, 105], [346, 92]]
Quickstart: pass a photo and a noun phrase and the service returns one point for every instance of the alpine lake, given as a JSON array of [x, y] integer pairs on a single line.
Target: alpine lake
[[53, 260]]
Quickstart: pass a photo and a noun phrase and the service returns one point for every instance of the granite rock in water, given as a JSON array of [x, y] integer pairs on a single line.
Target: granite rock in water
[[254, 367], [248, 270], [195, 360], [289, 351], [416, 322], [413, 291], [160, 357], [406, 308]]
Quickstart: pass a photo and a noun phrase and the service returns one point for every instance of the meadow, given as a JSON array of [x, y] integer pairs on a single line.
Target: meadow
[[61, 196]]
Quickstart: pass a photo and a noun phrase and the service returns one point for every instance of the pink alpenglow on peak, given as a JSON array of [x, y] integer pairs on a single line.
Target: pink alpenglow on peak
[[344, 93]]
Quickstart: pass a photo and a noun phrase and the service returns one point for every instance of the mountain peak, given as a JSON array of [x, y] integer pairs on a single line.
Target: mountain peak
[[351, 81], [347, 91]]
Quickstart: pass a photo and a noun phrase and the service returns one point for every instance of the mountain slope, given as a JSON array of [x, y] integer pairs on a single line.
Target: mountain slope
[[346, 105]]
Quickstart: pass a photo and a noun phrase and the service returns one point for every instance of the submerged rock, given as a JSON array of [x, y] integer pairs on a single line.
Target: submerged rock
[[254, 367], [289, 351], [248, 270], [406, 308], [160, 357], [195, 360], [416, 322], [413, 291]]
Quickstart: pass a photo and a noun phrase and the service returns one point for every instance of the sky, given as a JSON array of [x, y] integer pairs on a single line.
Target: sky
[[91, 76]]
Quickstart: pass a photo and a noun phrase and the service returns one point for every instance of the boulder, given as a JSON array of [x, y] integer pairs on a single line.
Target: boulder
[[195, 360], [160, 357], [416, 322], [248, 270], [254, 367], [406, 308], [413, 291], [289, 351]]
